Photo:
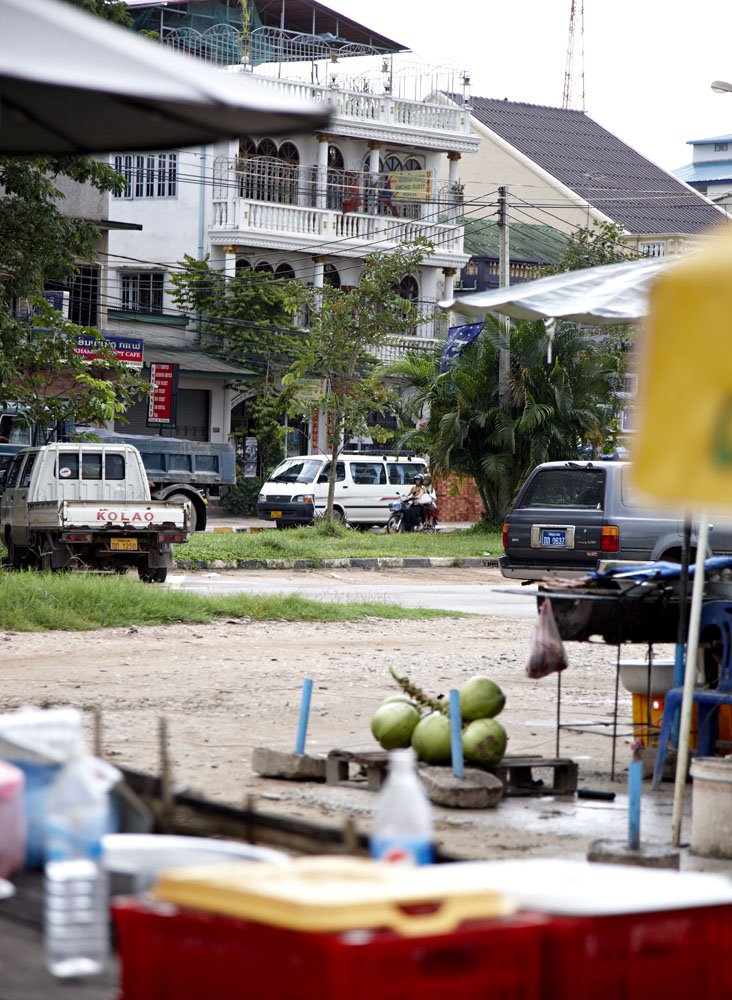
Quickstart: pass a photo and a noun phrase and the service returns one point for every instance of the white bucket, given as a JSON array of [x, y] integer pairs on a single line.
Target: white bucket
[[711, 807]]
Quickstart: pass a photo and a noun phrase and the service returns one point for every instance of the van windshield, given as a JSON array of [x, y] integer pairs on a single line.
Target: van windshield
[[297, 472]]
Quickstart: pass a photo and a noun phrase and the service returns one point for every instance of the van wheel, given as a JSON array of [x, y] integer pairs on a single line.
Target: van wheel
[[339, 516]]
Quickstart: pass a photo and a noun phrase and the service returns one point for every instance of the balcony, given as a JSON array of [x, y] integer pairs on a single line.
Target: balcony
[[269, 203], [375, 95]]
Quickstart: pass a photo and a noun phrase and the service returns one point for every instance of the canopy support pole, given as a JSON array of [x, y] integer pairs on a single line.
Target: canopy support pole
[[687, 703]]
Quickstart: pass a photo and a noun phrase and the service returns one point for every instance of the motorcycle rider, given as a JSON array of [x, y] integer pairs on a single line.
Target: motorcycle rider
[[414, 510]]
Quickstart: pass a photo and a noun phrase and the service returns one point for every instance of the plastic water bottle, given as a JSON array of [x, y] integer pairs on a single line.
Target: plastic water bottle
[[402, 829], [76, 914], [76, 923]]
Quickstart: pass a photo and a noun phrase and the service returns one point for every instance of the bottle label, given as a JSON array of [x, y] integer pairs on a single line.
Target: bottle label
[[402, 850]]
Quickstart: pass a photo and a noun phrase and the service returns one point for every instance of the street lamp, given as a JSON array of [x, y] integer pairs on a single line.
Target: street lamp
[[721, 87]]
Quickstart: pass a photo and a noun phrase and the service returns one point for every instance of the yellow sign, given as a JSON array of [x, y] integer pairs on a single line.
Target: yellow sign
[[683, 452], [411, 185]]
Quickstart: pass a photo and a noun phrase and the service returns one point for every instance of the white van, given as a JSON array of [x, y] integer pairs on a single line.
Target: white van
[[297, 490]]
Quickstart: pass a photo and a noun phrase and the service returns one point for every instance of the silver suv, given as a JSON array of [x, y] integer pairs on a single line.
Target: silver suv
[[572, 517]]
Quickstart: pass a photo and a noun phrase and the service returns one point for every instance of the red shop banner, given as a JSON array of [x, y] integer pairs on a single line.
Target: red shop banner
[[163, 397]]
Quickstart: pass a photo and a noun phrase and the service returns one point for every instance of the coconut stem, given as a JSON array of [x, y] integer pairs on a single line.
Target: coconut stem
[[418, 695]]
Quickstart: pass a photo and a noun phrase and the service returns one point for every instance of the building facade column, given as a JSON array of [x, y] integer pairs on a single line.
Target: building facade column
[[373, 178], [321, 180]]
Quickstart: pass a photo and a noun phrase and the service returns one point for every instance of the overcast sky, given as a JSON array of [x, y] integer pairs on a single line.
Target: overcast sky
[[648, 63]]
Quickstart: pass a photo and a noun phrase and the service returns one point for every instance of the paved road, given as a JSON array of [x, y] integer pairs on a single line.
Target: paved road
[[479, 591]]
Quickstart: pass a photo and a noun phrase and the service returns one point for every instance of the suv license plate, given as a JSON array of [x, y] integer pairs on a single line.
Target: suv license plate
[[553, 539], [123, 544], [275, 514]]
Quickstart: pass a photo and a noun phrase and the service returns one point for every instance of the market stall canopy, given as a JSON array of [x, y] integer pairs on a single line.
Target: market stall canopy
[[73, 83], [603, 295]]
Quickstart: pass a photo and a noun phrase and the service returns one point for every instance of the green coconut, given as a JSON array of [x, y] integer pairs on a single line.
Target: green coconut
[[480, 698], [400, 698], [484, 742], [392, 724], [431, 739]]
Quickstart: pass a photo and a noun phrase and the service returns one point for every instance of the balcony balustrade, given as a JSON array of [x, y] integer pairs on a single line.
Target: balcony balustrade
[[353, 207], [307, 66]]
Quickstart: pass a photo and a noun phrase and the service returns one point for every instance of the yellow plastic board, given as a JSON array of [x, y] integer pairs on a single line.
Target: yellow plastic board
[[683, 451], [337, 894]]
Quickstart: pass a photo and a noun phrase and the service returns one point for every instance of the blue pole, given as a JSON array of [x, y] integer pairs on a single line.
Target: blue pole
[[635, 778], [302, 725], [679, 657], [456, 734]]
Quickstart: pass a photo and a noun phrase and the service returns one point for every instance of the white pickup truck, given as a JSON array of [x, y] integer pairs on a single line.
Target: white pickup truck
[[88, 506]]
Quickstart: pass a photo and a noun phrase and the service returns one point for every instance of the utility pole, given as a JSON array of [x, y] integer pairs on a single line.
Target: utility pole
[[504, 355]]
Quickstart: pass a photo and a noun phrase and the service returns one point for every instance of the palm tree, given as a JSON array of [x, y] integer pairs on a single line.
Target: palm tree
[[556, 408]]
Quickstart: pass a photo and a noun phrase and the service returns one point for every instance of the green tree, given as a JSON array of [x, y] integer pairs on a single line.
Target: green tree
[[247, 319], [347, 330], [111, 10], [43, 373], [555, 408], [603, 243], [39, 366]]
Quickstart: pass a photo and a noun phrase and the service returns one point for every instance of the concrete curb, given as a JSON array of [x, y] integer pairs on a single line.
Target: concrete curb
[[374, 563]]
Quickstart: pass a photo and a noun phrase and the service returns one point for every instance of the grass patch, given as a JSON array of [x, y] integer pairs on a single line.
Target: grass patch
[[310, 543], [76, 602]]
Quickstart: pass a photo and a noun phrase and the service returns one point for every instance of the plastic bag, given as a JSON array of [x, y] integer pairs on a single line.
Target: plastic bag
[[546, 649]]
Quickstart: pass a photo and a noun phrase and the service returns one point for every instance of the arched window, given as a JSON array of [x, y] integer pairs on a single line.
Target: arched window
[[285, 271], [267, 148], [290, 174], [335, 178], [242, 264], [412, 163], [247, 168], [392, 164], [264, 267], [409, 290], [331, 276]]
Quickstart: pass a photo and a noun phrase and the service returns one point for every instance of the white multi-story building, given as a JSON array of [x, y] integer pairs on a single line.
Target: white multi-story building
[[309, 206]]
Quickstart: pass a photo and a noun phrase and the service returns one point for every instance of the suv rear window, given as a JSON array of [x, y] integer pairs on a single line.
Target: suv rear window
[[578, 488]]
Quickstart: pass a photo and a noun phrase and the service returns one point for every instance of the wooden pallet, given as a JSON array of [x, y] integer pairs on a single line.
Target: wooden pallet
[[520, 775]]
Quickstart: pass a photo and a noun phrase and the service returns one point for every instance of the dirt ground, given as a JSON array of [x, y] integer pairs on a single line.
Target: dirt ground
[[227, 688]]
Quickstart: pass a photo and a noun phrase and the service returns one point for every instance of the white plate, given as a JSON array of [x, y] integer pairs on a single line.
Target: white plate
[[7, 889]]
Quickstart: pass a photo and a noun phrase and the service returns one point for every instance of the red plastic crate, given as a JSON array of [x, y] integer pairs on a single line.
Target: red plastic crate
[[668, 954], [180, 954]]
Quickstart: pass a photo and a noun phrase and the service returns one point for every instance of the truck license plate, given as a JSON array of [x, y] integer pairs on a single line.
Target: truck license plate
[[123, 544], [276, 513], [551, 538]]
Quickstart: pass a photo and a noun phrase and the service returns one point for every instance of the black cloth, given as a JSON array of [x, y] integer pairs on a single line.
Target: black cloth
[[413, 516]]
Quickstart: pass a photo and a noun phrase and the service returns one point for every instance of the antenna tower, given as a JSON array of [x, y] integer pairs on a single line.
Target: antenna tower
[[574, 72]]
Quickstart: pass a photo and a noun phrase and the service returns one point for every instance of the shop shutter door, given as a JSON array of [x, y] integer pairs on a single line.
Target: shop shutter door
[[192, 422]]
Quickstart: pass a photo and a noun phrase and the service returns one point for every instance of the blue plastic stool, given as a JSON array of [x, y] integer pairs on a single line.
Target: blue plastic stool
[[719, 615]]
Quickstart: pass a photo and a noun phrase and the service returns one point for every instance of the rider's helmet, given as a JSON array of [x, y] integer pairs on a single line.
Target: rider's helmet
[[427, 479], [419, 478]]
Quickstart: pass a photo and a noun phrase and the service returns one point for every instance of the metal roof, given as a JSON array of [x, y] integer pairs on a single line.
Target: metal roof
[[599, 167], [535, 244], [305, 16], [714, 138], [194, 362], [699, 173]]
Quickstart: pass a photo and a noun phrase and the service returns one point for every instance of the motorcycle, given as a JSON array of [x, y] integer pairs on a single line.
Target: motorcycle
[[396, 522]]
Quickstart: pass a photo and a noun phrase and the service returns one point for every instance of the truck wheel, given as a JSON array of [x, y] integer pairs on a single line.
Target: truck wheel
[[148, 575], [198, 511], [16, 555]]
